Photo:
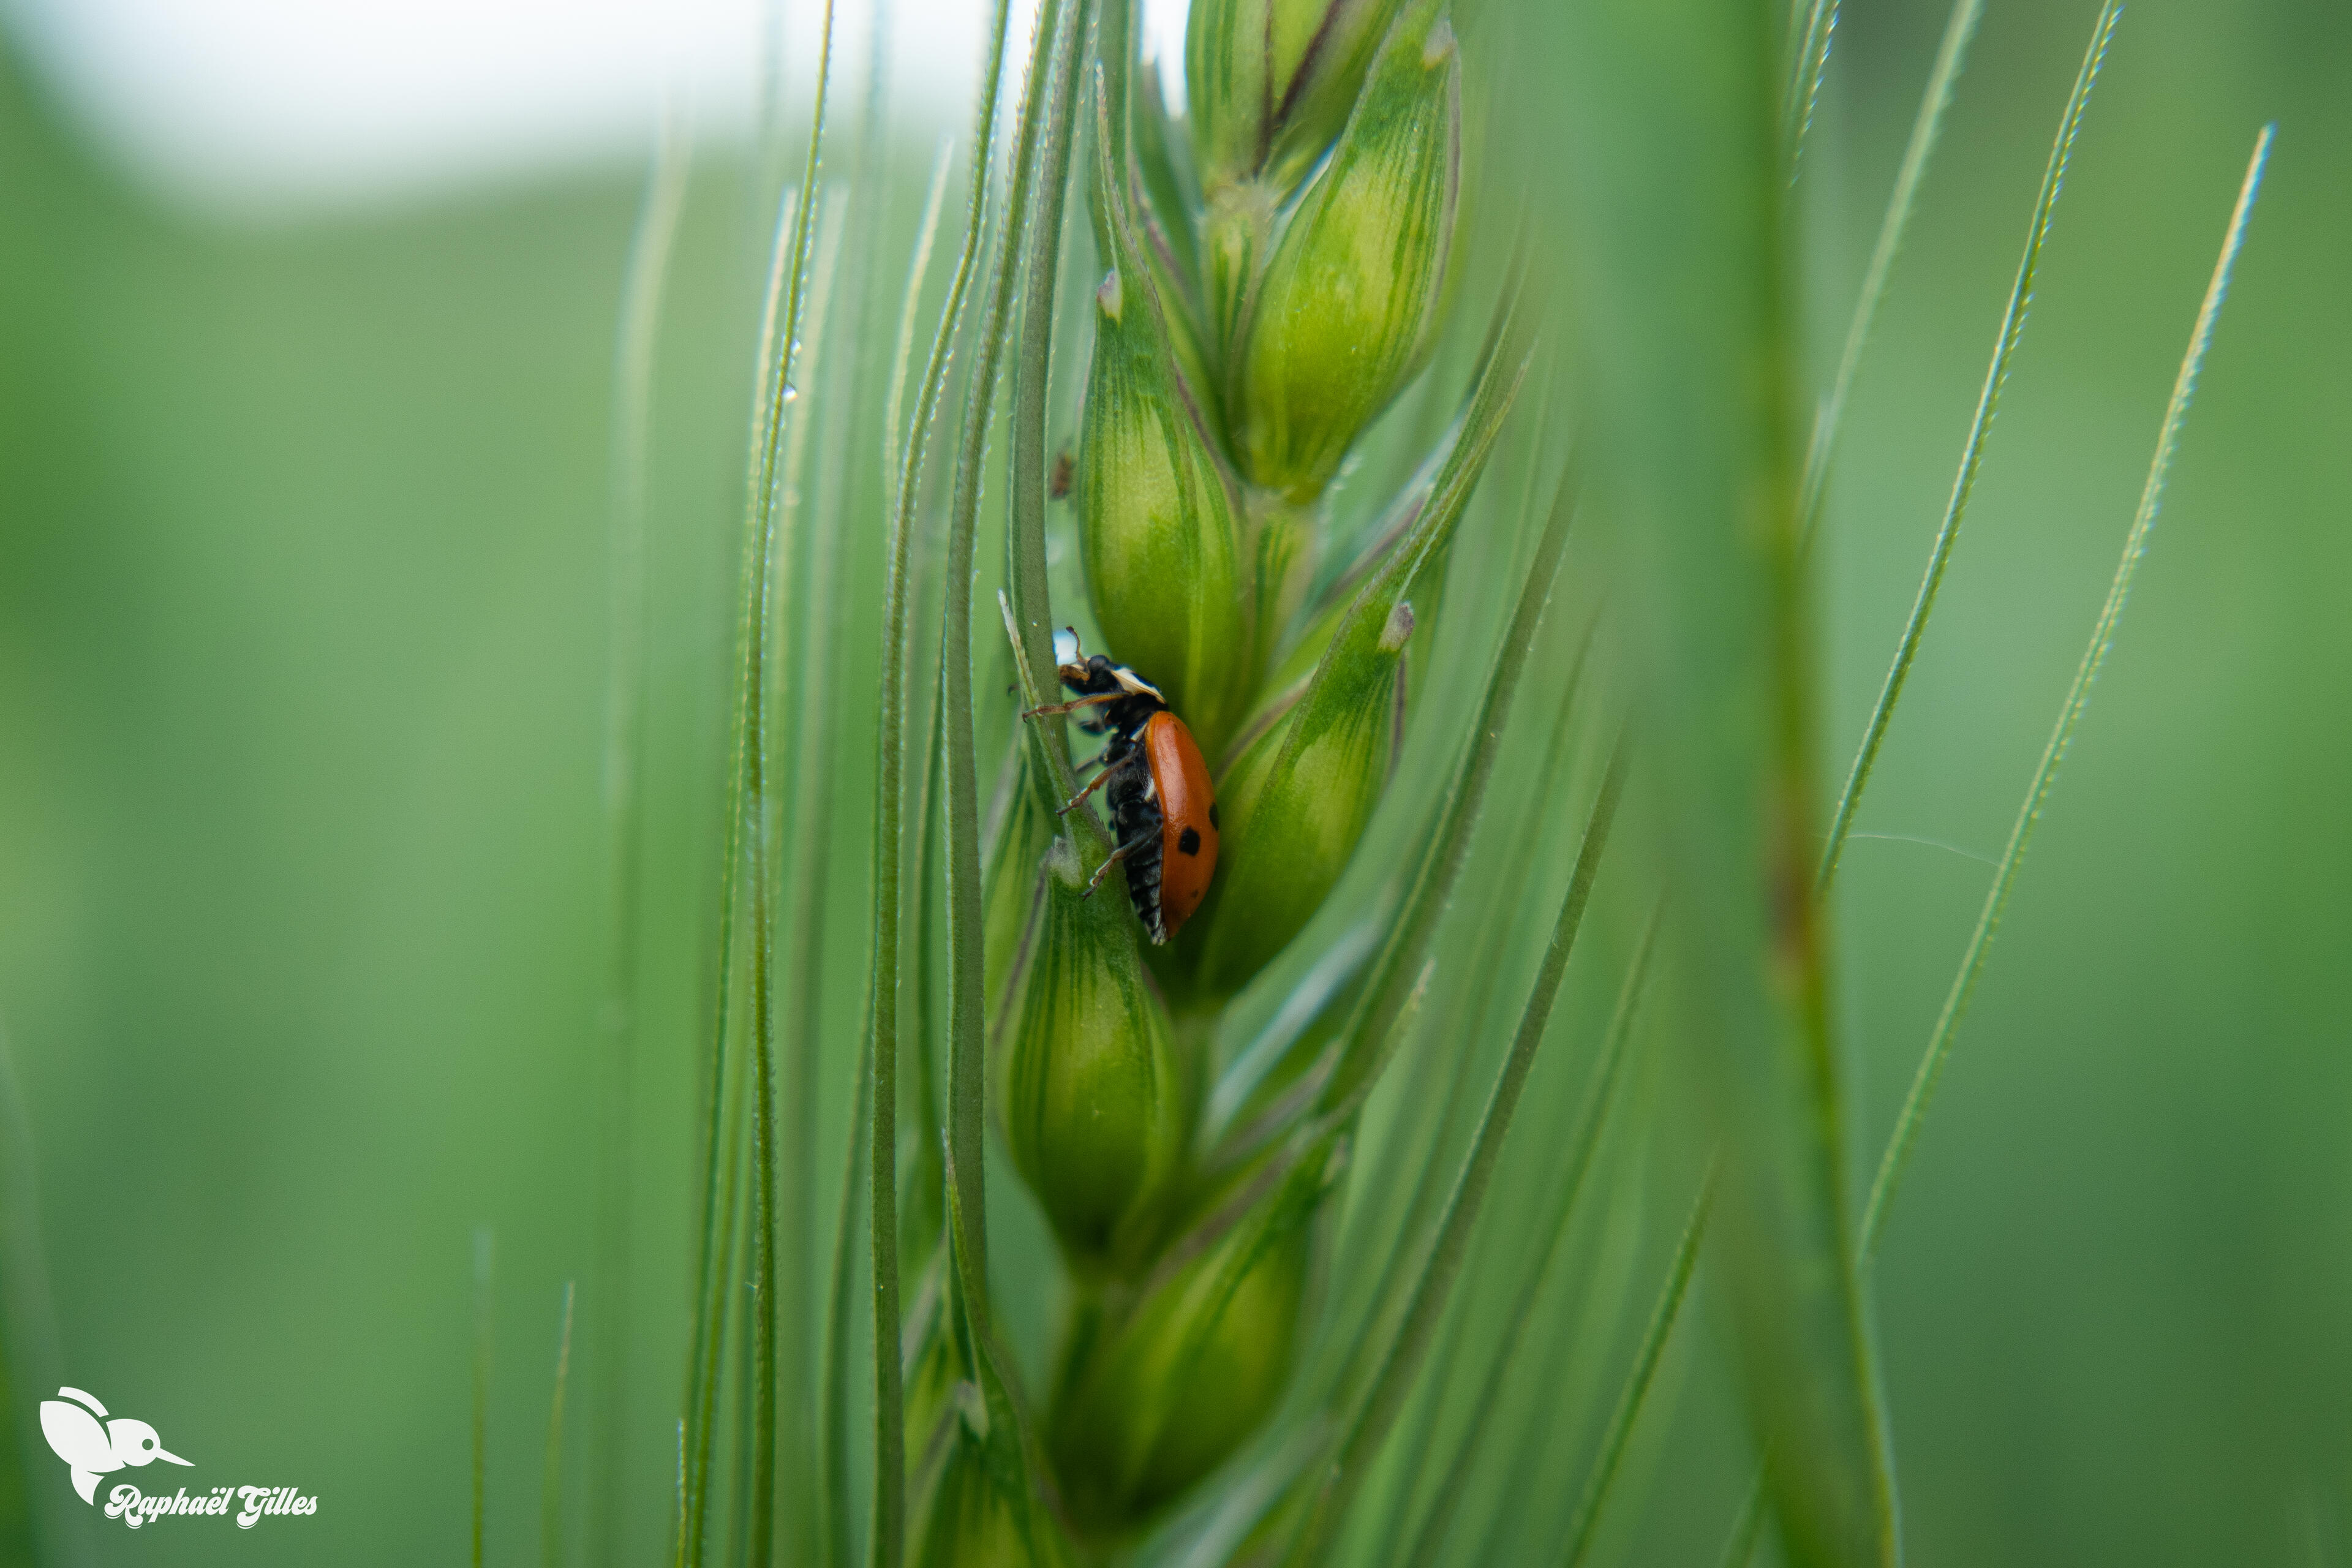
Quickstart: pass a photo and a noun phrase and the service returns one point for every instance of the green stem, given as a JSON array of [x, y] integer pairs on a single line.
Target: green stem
[[1896, 1157]]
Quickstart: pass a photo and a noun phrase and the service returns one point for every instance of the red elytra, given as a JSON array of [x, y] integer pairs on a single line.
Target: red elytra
[[1188, 818]]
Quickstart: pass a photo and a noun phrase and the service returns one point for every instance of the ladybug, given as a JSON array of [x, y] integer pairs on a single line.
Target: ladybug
[[1163, 813]]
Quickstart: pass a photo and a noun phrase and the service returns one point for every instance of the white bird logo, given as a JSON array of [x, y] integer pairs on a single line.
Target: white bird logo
[[91, 1449]]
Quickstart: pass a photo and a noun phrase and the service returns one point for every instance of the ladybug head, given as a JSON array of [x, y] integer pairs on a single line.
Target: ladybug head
[[1100, 675]]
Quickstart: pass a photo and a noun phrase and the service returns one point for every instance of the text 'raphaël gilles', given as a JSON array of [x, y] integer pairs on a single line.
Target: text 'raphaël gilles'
[[250, 1504]]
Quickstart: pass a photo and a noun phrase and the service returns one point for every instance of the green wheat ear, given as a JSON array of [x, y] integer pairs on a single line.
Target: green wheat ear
[[1362, 1221]]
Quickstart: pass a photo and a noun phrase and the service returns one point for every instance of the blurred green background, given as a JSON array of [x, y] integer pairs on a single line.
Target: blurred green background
[[302, 632]]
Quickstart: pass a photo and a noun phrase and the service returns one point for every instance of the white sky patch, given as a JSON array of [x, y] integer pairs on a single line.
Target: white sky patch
[[272, 108], [1163, 38]]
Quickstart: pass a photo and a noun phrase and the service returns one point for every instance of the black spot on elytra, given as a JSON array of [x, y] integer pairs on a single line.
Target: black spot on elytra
[[1188, 841]]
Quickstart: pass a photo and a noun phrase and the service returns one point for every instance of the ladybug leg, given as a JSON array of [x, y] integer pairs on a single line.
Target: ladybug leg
[[1052, 709], [1117, 855], [1097, 782]]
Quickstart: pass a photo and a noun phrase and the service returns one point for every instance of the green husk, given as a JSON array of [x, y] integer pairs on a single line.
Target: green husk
[[1331, 731], [1351, 290], [1163, 1390], [1094, 1107], [1159, 514]]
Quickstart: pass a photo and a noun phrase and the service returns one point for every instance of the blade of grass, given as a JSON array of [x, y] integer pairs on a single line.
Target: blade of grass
[[551, 1487], [1417, 1169], [1009, 1448], [1032, 369], [1747, 1528], [2070, 714], [1322, 991], [678, 1516], [1809, 62], [1924, 131], [1396, 1484], [809, 519], [483, 1247], [702, 1350], [823, 1518], [1529, 1511], [2012, 329], [926, 1202], [1582, 1143], [895, 487], [1422, 1141], [1398, 1471], [1257, 1489], [1368, 1424], [739, 1505], [720, 1287], [1430, 1154], [1359, 1059], [881, 1047], [1449, 847], [624, 815], [967, 1005], [908, 493], [777, 494], [1357, 1055], [1637, 1381], [747, 839], [839, 1305], [965, 1187]]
